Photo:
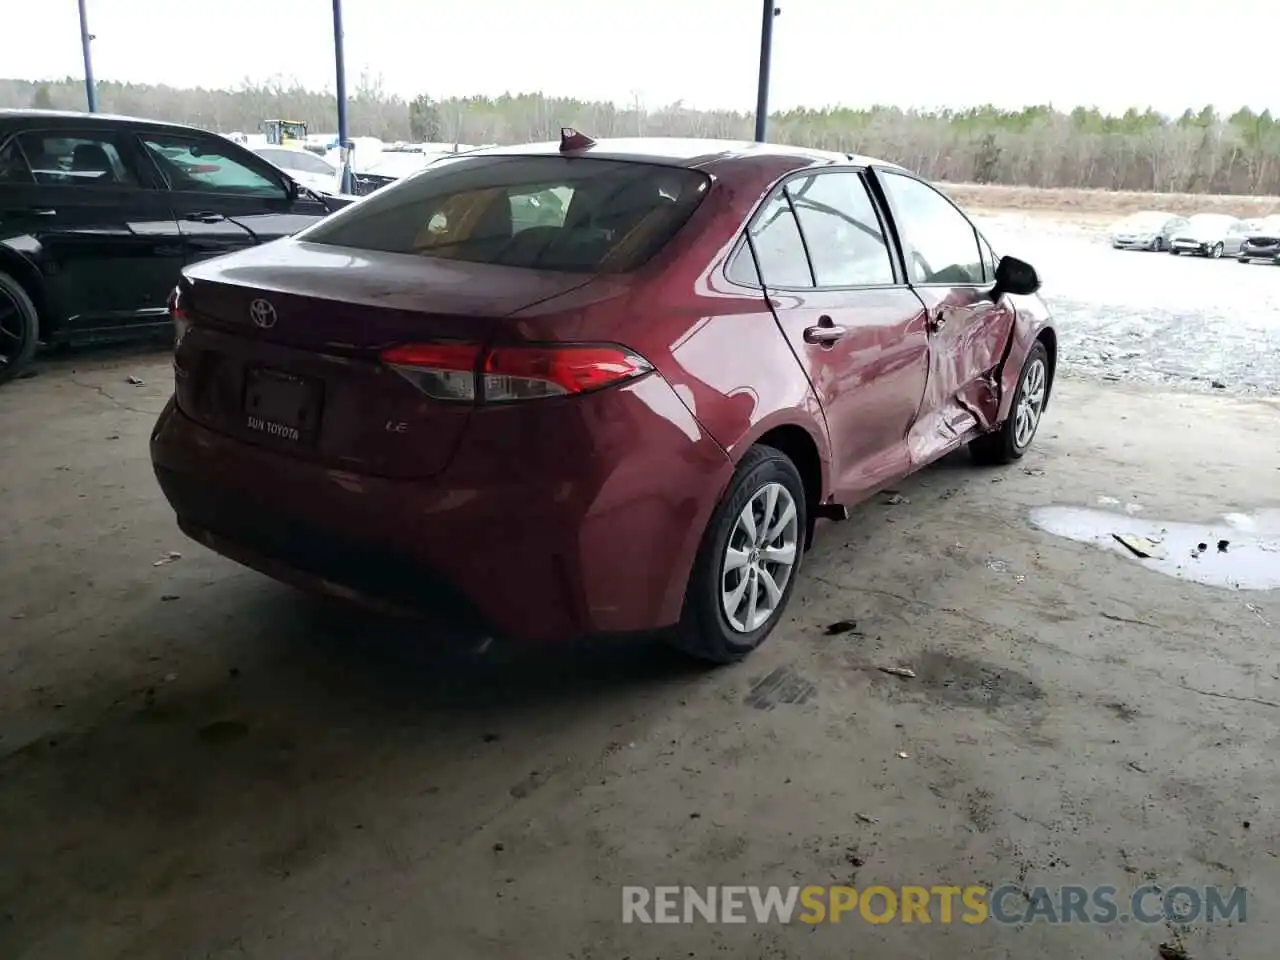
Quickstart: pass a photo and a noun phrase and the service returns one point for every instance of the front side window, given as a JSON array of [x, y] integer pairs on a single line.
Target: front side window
[[196, 165], [940, 242], [779, 249], [575, 214], [846, 245], [70, 159]]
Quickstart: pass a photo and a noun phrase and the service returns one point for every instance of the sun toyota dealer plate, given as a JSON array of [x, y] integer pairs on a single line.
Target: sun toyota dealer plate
[[280, 404]]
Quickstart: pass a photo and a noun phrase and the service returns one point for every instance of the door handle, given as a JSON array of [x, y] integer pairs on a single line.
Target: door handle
[[937, 320], [32, 212], [826, 333], [205, 216]]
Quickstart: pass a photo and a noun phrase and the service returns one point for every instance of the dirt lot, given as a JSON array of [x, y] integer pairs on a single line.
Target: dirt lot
[[199, 763], [1101, 205]]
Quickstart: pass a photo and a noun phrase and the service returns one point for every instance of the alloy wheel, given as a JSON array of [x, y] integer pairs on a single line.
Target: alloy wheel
[[759, 558], [1030, 403], [13, 329]]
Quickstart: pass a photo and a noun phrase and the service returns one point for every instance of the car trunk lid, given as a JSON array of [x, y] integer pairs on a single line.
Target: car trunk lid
[[280, 346]]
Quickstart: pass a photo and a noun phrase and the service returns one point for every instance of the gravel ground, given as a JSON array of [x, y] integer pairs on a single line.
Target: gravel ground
[[1151, 318]]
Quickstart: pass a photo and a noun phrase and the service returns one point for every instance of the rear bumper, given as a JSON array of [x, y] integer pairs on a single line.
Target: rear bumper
[[597, 535]]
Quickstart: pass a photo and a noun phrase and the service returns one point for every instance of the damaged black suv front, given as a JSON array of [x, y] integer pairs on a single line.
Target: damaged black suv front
[[1262, 243]]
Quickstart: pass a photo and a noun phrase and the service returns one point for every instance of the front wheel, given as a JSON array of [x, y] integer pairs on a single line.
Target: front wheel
[[1216, 252], [1158, 246], [1011, 440], [19, 328], [747, 564]]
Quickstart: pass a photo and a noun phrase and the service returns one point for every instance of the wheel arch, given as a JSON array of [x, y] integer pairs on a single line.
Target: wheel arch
[[805, 447]]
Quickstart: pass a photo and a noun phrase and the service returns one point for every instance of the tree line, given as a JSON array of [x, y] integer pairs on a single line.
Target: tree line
[[1200, 151]]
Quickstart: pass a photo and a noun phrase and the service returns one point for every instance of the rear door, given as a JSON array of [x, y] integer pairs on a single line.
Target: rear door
[[102, 236], [852, 322], [224, 197], [944, 258]]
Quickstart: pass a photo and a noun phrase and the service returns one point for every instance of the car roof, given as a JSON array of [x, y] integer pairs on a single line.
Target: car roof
[[683, 152], [68, 118]]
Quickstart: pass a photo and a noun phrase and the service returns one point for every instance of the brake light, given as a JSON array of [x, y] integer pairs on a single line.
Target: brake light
[[463, 372]]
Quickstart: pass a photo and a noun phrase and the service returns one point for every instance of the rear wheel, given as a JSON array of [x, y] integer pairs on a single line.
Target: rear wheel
[[1014, 436], [19, 328], [747, 563]]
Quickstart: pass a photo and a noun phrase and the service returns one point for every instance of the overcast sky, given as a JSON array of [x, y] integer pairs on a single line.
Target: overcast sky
[[1169, 54]]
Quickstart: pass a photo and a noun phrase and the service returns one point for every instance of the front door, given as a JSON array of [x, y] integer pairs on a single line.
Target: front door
[[856, 328], [968, 332], [224, 197], [104, 240]]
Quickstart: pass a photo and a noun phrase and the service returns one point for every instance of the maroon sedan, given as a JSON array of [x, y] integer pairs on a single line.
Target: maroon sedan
[[583, 388]]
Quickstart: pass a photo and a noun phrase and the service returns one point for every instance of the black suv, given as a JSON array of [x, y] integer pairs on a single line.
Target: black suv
[[99, 214]]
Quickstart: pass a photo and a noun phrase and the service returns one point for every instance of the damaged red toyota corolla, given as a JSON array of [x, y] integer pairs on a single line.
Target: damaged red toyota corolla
[[582, 388]]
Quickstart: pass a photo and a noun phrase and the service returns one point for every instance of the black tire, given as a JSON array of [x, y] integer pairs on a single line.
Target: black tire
[[1000, 446], [1174, 252], [1159, 245], [1215, 252], [704, 631], [1244, 260], [19, 328]]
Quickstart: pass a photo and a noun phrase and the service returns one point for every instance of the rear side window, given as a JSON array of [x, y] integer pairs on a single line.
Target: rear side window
[[779, 249], [841, 230], [13, 166], [575, 214], [76, 160]]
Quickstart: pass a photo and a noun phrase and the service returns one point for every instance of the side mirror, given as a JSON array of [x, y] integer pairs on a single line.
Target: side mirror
[[1015, 276]]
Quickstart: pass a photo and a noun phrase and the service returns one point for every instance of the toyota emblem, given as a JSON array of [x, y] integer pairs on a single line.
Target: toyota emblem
[[263, 314]]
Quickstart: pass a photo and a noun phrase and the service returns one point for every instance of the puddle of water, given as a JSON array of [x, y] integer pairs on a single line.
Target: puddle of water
[[1251, 560]]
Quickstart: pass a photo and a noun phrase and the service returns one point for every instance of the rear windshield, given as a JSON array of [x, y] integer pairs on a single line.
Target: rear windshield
[[575, 214]]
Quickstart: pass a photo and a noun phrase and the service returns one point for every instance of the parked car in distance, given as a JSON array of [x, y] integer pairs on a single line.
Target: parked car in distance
[[1146, 230], [387, 167], [625, 419], [312, 171], [1209, 235], [1262, 242], [99, 214]]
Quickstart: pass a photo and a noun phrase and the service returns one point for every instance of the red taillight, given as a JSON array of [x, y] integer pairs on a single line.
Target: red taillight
[[181, 321], [444, 371], [462, 371]]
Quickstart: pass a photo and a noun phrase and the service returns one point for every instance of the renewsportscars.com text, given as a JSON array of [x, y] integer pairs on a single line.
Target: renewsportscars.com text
[[943, 904]]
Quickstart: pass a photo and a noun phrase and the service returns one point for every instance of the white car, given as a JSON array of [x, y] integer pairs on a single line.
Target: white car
[[313, 172], [1209, 235]]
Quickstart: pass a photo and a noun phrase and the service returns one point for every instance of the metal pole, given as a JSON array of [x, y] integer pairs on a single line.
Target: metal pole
[[766, 56], [341, 67], [90, 91]]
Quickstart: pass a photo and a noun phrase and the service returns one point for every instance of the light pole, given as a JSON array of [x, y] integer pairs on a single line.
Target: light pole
[[90, 91], [766, 56], [340, 65]]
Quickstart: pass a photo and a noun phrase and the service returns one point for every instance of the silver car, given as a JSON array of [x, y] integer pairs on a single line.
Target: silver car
[[1146, 230], [1210, 235]]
